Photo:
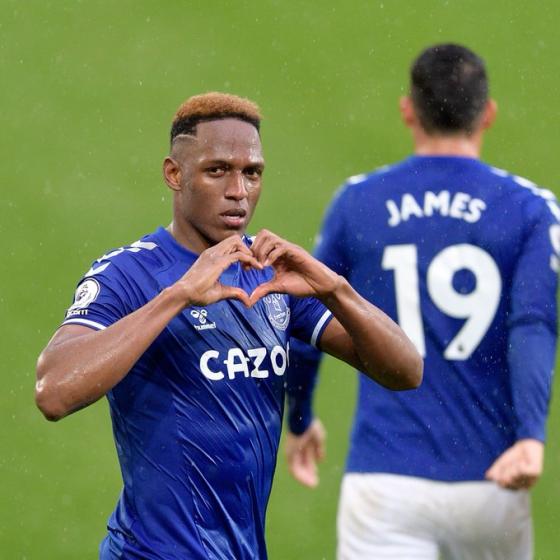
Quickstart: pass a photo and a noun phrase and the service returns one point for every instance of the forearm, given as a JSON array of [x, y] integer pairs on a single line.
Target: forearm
[[301, 381], [74, 372], [531, 356], [381, 350]]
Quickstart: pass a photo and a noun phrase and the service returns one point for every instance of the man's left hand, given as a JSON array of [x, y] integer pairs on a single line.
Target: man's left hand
[[296, 272], [518, 467]]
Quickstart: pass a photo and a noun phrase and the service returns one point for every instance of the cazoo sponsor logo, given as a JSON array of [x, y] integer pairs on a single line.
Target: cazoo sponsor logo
[[253, 362]]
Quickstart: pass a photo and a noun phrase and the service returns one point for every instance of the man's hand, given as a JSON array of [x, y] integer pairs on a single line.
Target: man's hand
[[518, 467], [296, 271], [304, 452], [201, 286]]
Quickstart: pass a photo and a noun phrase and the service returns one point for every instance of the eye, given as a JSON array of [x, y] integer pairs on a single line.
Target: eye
[[215, 170], [253, 172]]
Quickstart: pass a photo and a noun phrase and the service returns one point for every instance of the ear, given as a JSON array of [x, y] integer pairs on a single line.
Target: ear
[[408, 114], [490, 112], [172, 173]]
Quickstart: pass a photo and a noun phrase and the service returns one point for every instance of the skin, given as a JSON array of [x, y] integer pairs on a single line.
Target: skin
[[517, 468], [216, 179]]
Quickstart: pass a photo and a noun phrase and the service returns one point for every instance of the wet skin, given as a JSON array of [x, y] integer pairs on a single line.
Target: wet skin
[[216, 179]]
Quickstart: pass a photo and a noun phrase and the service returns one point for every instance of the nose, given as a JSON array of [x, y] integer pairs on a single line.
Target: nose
[[236, 188]]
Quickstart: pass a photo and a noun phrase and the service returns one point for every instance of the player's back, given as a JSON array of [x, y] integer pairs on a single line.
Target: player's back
[[451, 249]]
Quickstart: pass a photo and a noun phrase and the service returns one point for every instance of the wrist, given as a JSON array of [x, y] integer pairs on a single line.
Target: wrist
[[338, 289], [176, 296], [299, 423]]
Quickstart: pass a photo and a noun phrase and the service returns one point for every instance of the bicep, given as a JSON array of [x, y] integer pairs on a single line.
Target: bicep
[[67, 332], [336, 341], [62, 336]]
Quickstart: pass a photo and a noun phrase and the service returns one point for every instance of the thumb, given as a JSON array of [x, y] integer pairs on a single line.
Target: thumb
[[236, 293], [263, 290]]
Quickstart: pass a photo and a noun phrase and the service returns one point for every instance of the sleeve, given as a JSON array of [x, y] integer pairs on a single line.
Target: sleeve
[[302, 378], [533, 323], [330, 245], [99, 300], [309, 319], [305, 359]]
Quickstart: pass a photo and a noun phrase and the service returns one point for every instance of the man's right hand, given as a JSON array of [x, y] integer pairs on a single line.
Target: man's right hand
[[303, 452], [520, 466], [200, 285], [79, 365]]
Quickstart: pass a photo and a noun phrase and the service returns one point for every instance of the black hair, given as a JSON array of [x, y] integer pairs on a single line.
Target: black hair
[[187, 125], [449, 89], [213, 106]]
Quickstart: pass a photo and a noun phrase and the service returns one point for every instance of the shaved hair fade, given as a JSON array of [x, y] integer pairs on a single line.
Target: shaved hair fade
[[449, 89], [210, 107]]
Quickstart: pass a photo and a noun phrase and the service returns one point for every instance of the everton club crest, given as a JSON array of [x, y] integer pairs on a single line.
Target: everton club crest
[[277, 310]]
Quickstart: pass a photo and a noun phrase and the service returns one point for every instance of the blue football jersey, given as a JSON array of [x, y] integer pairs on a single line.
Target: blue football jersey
[[197, 420], [464, 257]]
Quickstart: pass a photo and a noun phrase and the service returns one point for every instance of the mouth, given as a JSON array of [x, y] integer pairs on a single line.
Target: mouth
[[234, 218]]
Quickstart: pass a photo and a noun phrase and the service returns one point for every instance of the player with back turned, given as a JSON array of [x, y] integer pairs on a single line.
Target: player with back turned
[[465, 257], [186, 331]]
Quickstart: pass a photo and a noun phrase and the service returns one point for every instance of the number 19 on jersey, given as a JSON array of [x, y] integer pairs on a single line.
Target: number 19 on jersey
[[478, 307]]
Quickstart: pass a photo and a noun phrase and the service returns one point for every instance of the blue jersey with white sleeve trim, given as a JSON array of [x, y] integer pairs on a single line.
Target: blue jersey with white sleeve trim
[[197, 419], [464, 257]]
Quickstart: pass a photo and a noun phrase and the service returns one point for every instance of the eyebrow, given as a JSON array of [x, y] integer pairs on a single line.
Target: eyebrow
[[252, 163]]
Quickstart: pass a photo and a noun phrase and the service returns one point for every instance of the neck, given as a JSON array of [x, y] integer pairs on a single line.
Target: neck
[[457, 145], [188, 239]]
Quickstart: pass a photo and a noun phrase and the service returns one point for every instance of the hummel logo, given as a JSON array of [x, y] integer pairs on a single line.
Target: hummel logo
[[201, 316]]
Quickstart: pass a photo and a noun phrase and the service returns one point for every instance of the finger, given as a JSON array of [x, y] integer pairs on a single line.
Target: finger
[[260, 238], [499, 465], [298, 469], [307, 468], [274, 254], [240, 245], [510, 475], [304, 476], [271, 287], [247, 260], [498, 471], [320, 450], [521, 483], [225, 246], [230, 292], [301, 462], [265, 245]]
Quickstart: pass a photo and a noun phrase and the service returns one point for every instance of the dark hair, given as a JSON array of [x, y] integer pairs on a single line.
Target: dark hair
[[449, 89], [210, 107]]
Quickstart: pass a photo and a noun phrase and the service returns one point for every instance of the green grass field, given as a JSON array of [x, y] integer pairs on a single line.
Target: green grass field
[[88, 91]]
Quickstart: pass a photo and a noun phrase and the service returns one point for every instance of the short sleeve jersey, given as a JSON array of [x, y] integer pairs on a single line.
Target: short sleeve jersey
[[197, 420], [461, 255]]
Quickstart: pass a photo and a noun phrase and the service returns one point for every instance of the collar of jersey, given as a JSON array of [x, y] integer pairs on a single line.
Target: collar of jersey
[[444, 158], [167, 240]]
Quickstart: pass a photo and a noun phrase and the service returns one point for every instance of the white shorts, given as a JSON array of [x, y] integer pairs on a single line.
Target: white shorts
[[385, 516]]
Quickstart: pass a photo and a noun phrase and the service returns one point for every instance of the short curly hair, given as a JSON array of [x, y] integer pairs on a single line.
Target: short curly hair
[[213, 106]]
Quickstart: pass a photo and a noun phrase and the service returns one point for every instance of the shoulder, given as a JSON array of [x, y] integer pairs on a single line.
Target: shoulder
[[362, 183], [145, 253], [535, 200]]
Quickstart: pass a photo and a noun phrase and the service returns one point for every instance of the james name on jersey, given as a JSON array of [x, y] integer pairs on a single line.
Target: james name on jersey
[[459, 205]]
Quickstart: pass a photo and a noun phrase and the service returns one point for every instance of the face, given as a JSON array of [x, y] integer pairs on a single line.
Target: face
[[216, 176]]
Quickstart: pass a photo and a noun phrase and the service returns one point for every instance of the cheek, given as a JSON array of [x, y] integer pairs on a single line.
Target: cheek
[[254, 195], [252, 200]]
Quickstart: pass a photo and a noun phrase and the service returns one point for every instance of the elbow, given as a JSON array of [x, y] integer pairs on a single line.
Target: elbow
[[45, 403], [414, 373], [46, 397], [406, 377]]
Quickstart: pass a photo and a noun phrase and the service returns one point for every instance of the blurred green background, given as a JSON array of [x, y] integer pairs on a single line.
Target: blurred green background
[[87, 93]]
